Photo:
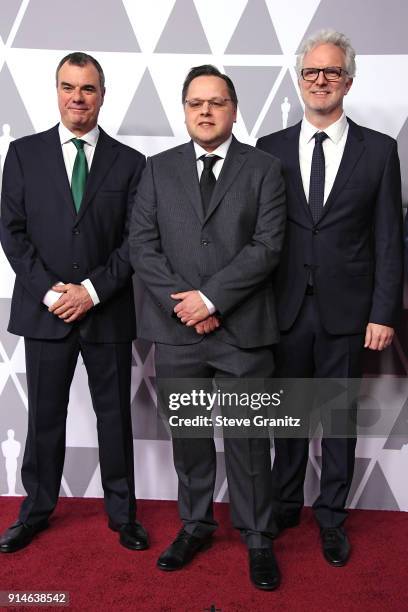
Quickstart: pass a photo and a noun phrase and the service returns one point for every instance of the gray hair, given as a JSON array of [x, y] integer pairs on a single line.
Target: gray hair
[[78, 58], [324, 37]]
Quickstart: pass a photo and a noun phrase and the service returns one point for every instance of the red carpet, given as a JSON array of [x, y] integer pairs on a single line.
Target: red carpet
[[81, 555]]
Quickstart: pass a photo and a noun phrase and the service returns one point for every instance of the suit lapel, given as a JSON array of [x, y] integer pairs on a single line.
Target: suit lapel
[[187, 171], [235, 159], [352, 153], [105, 154], [54, 161]]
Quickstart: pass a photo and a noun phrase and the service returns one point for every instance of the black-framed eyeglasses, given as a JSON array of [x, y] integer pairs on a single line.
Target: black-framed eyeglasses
[[215, 103], [331, 73]]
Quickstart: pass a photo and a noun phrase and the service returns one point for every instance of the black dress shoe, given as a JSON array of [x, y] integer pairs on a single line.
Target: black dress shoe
[[131, 535], [182, 551], [335, 545], [263, 569], [19, 535]]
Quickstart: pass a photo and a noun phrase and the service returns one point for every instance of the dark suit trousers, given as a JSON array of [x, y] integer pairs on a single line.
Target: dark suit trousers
[[308, 351], [50, 368], [248, 461]]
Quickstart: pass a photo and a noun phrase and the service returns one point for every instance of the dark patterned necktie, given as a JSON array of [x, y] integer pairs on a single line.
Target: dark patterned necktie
[[79, 173], [207, 180], [317, 176]]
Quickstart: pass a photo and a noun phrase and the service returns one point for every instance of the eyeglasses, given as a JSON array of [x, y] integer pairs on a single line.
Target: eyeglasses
[[331, 73], [214, 103]]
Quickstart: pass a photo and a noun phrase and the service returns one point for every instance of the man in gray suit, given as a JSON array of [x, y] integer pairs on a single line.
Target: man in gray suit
[[205, 236]]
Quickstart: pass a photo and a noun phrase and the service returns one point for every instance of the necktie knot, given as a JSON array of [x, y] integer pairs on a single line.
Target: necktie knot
[[320, 137], [78, 143], [209, 161]]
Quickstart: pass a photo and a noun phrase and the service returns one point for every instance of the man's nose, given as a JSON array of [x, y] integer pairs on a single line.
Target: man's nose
[[321, 79], [78, 95], [206, 108]]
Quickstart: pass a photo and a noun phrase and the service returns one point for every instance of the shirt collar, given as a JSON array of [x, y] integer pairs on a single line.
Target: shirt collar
[[221, 151], [334, 131], [66, 135]]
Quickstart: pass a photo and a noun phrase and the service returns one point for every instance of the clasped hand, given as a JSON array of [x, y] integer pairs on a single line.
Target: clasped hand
[[192, 311], [73, 304]]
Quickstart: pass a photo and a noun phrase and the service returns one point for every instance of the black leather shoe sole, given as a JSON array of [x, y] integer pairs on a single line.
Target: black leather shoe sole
[[23, 538], [174, 568], [265, 588], [125, 539], [335, 562], [129, 546]]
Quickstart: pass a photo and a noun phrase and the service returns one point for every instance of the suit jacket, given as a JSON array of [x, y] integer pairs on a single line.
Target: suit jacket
[[354, 251], [46, 241], [228, 254]]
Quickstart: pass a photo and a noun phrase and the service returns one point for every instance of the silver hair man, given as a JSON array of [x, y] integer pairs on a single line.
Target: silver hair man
[[328, 36]]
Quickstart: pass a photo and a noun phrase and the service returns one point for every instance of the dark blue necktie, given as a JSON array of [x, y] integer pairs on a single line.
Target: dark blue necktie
[[207, 180], [317, 176]]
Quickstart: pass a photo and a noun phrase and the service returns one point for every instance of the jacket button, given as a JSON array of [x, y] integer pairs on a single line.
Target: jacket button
[[76, 231], [315, 232], [75, 266], [204, 243]]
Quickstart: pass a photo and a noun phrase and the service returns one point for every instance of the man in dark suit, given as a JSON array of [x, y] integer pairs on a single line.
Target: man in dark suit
[[339, 279], [65, 235], [206, 233]]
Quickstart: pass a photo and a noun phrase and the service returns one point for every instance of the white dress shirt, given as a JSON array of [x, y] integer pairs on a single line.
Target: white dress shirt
[[69, 152], [333, 148], [221, 151]]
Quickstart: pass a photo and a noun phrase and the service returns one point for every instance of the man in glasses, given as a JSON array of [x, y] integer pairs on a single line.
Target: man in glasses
[[206, 233], [339, 279]]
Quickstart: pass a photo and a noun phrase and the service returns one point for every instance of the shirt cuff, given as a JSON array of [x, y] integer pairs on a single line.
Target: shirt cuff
[[91, 290], [208, 303], [52, 296]]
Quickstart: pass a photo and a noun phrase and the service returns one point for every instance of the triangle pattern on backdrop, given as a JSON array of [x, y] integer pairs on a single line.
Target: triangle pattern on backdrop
[[12, 109], [360, 468], [253, 85], [285, 109], [8, 14], [143, 348], [146, 115], [221, 479], [377, 492], [146, 421], [47, 24], [14, 417], [312, 482], [254, 34], [79, 467], [9, 341], [399, 433], [183, 32], [377, 28]]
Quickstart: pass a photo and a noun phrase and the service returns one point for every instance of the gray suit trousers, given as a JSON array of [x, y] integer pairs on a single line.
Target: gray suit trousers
[[248, 460]]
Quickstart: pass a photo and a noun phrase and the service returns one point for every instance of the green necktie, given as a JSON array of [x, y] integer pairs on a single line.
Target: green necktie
[[79, 173]]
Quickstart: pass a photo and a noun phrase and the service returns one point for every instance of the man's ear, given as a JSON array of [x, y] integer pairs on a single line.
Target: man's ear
[[348, 85]]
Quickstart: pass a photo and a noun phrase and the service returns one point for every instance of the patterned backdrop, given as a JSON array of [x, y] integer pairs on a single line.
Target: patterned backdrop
[[146, 48]]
